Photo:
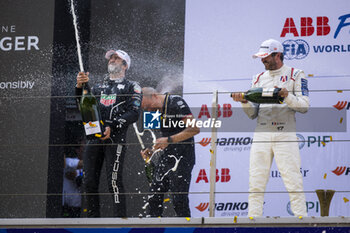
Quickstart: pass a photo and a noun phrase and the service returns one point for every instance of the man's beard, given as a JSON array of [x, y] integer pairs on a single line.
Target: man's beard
[[270, 65], [114, 68]]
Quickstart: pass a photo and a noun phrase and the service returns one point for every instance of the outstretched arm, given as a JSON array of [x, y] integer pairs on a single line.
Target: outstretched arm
[[187, 133]]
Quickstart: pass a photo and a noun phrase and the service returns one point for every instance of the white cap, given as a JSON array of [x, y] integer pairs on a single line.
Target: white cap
[[122, 54], [267, 47]]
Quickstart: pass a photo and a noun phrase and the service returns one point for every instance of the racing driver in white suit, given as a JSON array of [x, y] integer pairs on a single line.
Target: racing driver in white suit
[[275, 134]]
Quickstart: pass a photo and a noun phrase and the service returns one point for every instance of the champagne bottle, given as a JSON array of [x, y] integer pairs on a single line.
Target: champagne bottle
[[90, 113], [151, 162], [263, 95], [149, 169]]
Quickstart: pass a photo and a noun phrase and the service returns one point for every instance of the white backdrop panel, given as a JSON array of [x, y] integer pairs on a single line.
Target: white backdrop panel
[[220, 38]]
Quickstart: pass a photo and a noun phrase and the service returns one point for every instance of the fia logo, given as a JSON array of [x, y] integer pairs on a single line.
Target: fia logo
[[151, 120], [295, 49]]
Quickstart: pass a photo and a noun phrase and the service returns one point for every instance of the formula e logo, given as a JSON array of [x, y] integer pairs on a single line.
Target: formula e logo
[[340, 170], [341, 105], [202, 206], [151, 120], [295, 49]]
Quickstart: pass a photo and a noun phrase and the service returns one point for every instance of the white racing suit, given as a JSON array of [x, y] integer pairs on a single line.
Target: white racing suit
[[275, 136]]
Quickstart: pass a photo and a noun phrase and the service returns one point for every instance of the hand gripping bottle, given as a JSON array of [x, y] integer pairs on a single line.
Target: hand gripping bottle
[[90, 113]]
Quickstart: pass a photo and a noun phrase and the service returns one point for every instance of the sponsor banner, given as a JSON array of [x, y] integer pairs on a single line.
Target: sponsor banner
[[225, 205], [316, 42], [313, 41], [321, 168], [17, 85], [312, 203], [313, 206], [26, 37]]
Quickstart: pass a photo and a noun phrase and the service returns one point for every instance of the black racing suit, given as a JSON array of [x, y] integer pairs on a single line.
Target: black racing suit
[[164, 178], [119, 104]]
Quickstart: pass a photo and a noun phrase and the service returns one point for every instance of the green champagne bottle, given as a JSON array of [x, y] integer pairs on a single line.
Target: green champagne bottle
[[151, 163], [90, 113], [149, 169], [263, 95]]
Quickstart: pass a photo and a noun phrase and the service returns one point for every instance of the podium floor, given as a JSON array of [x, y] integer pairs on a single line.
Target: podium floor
[[200, 225]]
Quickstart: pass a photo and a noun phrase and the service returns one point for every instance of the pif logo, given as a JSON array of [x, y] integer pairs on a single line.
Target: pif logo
[[341, 105], [317, 140], [340, 170], [151, 120], [310, 207], [295, 49]]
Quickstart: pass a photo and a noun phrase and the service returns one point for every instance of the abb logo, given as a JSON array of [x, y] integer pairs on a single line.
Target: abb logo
[[340, 170], [225, 175], [308, 26], [225, 111], [341, 105]]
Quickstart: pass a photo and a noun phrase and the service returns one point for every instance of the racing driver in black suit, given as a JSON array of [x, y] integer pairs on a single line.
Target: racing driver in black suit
[[119, 102]]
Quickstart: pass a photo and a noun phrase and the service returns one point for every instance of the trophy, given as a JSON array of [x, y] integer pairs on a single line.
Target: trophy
[[325, 197]]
